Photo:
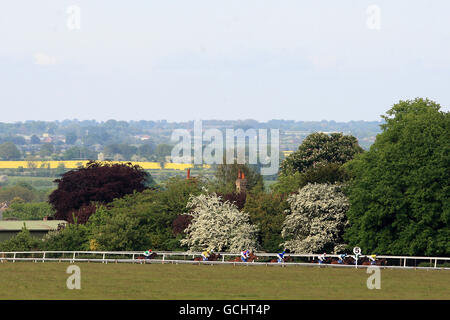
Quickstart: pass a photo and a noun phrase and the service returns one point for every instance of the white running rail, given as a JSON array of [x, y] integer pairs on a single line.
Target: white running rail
[[187, 257]]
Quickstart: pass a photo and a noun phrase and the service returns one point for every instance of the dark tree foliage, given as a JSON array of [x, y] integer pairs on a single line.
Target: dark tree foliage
[[147, 149], [324, 172], [96, 182], [35, 139], [82, 215], [238, 199], [267, 211], [180, 223]]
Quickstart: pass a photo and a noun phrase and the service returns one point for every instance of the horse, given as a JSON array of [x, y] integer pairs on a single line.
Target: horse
[[382, 262], [212, 257], [285, 259], [378, 262], [326, 261], [347, 260], [336, 261], [252, 257], [154, 254]]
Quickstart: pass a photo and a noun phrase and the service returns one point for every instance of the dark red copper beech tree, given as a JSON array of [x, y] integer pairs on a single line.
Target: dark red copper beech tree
[[97, 182]]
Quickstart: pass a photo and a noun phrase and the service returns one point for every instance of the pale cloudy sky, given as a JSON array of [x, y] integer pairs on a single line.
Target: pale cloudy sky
[[210, 59]]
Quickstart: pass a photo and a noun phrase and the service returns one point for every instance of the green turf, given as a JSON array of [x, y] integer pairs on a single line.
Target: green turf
[[27, 280]]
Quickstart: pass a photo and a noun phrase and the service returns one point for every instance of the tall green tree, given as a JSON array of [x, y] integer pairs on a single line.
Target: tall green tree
[[319, 159], [267, 212], [46, 150], [162, 150], [125, 150], [71, 137], [145, 219], [9, 151], [322, 172], [35, 139], [147, 149], [399, 196], [23, 241], [67, 238], [28, 211], [21, 192], [79, 153], [318, 148]]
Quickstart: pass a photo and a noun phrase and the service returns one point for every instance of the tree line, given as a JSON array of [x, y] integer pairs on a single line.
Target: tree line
[[330, 195]]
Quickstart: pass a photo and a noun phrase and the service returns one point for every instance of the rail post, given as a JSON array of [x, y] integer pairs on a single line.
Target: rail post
[[357, 252], [435, 263], [43, 257], [14, 257]]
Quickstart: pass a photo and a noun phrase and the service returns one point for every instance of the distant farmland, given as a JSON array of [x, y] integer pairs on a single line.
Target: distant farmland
[[73, 164]]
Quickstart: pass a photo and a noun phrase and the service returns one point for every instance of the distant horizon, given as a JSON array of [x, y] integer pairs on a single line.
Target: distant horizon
[[186, 121]]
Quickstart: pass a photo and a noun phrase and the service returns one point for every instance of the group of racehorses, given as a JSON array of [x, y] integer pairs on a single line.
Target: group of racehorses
[[215, 256], [349, 260]]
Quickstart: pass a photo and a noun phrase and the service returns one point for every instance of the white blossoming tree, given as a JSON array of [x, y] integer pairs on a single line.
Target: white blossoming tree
[[317, 219], [218, 225]]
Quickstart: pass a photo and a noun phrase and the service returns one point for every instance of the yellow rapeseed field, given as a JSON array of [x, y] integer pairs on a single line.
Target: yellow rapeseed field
[[77, 163], [67, 164]]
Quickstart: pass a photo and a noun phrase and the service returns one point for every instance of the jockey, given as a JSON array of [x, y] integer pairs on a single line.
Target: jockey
[[342, 257], [206, 254], [148, 253], [322, 257], [244, 255], [280, 257], [372, 259]]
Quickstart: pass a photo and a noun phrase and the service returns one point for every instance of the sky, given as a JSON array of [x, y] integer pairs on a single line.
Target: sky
[[184, 60]]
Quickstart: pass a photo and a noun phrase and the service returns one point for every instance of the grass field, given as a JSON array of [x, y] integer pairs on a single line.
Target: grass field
[[36, 182], [173, 282]]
